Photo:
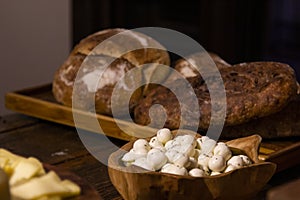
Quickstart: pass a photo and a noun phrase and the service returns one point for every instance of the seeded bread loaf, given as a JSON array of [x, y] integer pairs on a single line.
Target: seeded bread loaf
[[188, 66], [253, 90], [285, 123]]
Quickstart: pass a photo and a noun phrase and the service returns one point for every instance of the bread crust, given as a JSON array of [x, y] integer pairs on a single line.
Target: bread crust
[[187, 66], [89, 53], [253, 90]]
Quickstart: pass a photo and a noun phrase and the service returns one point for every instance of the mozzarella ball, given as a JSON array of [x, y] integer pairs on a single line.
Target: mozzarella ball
[[236, 161], [217, 163], [208, 146], [189, 140], [131, 156], [215, 173], [154, 143], [143, 163], [200, 141], [230, 168], [176, 147], [186, 149], [178, 138], [141, 144], [164, 135], [181, 160], [156, 158], [171, 155], [223, 150], [174, 169], [141, 151], [169, 144], [203, 162], [196, 172], [246, 160]]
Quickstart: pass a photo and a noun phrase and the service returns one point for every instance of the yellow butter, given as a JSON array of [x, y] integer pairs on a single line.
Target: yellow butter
[[24, 170], [46, 185]]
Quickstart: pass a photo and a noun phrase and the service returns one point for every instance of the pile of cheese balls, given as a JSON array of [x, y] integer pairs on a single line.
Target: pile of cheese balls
[[184, 155]]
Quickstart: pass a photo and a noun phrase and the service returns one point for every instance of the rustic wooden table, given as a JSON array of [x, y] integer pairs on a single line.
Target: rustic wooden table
[[61, 146]]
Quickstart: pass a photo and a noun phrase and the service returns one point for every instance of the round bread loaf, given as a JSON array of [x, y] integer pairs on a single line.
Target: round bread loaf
[[103, 60], [253, 90], [187, 66]]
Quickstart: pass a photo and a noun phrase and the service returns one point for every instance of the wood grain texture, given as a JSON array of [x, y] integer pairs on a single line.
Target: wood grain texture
[[135, 183], [11, 122], [29, 102]]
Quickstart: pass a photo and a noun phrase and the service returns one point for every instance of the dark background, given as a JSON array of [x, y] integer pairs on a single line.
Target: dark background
[[238, 31]]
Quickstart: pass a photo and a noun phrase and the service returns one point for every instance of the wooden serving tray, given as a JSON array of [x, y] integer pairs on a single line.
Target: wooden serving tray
[[39, 102]]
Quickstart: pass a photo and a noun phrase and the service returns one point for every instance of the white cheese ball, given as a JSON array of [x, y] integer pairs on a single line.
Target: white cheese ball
[[187, 149], [246, 160], [141, 144], [176, 147], [230, 168], [174, 169], [203, 162], [223, 150], [189, 140], [169, 144], [154, 143], [164, 135], [171, 153], [140, 151], [196, 172], [131, 156], [208, 146], [217, 163], [156, 158], [215, 173], [236, 161], [143, 163], [181, 160], [178, 138], [200, 141], [177, 158]]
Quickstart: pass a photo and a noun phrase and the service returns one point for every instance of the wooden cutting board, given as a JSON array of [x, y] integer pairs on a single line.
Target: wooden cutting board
[[39, 102]]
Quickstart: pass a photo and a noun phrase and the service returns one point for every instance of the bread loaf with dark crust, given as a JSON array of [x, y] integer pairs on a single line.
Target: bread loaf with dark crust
[[253, 90], [188, 66], [106, 65], [285, 123]]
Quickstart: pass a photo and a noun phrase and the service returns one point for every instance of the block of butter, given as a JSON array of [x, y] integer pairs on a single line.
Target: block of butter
[[28, 179]]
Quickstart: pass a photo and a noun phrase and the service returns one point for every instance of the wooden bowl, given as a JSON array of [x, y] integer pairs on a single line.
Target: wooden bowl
[[136, 183]]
